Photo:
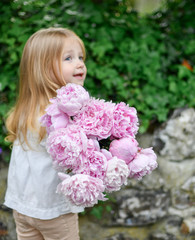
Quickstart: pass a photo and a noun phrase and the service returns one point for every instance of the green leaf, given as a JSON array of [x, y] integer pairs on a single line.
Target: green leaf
[[97, 211], [183, 72], [173, 87]]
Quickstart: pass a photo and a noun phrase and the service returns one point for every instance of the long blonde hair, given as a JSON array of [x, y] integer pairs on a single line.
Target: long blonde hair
[[40, 76]]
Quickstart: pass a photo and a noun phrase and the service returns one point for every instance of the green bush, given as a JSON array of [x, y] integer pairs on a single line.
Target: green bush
[[144, 61]]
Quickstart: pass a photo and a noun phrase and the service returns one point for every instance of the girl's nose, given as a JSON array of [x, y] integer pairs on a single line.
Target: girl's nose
[[80, 64]]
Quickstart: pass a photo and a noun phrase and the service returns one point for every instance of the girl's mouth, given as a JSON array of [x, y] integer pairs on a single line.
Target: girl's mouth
[[79, 75]]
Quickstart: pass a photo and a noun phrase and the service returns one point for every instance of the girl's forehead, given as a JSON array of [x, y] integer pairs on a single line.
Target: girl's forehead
[[71, 43]]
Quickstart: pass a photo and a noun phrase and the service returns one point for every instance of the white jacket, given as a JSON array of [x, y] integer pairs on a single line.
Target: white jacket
[[32, 183]]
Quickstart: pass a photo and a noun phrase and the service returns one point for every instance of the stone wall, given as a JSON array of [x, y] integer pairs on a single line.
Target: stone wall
[[159, 207]]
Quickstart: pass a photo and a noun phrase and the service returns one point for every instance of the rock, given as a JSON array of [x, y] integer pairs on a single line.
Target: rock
[[140, 207], [183, 213], [162, 236], [153, 181], [177, 138], [173, 220], [174, 174], [145, 140], [188, 226], [3, 231], [172, 225], [180, 199], [189, 185], [7, 224], [120, 236]]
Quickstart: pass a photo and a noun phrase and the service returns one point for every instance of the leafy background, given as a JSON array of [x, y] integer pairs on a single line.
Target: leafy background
[[146, 61]]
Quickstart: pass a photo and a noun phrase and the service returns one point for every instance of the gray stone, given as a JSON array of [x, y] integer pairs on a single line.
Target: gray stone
[[122, 214], [183, 213], [177, 137], [135, 207], [189, 185], [153, 181], [173, 220], [162, 236], [7, 224], [180, 199], [120, 236], [172, 225], [145, 140], [188, 226], [175, 174]]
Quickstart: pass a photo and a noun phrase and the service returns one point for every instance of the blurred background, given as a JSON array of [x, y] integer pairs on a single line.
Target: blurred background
[[141, 52]]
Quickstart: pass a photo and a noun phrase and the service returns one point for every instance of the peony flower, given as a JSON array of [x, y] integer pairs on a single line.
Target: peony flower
[[116, 174], [94, 165], [54, 117], [106, 153], [124, 148], [95, 144], [76, 123], [81, 190], [96, 118], [125, 121], [52, 109], [144, 163], [67, 146], [46, 122], [71, 98]]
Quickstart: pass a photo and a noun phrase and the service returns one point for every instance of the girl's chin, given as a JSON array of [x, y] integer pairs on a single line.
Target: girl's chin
[[76, 81], [79, 82]]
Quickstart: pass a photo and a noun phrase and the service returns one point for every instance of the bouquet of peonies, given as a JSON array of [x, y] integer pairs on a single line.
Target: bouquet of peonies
[[76, 123]]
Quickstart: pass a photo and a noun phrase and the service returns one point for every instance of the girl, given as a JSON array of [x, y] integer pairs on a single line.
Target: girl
[[51, 58]]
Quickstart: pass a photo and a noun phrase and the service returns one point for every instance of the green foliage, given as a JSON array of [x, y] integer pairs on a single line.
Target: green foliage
[[98, 210], [101, 209], [138, 60]]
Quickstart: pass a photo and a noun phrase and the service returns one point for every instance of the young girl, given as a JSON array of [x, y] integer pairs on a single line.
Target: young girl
[[51, 58]]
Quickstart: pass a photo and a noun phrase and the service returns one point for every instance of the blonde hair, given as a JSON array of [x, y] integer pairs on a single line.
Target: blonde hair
[[40, 77]]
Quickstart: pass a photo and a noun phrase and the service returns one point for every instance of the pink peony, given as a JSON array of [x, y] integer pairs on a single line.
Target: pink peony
[[125, 121], [75, 123], [71, 98], [144, 163], [116, 174], [96, 118], [67, 147], [52, 109], [81, 190], [46, 122], [54, 118], [96, 144], [94, 165], [124, 148], [106, 153]]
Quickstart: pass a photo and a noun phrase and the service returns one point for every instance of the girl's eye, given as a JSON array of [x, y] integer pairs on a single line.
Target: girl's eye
[[67, 59], [81, 58]]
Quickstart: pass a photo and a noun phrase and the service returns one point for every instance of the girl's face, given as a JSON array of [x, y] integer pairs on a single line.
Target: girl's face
[[73, 66]]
